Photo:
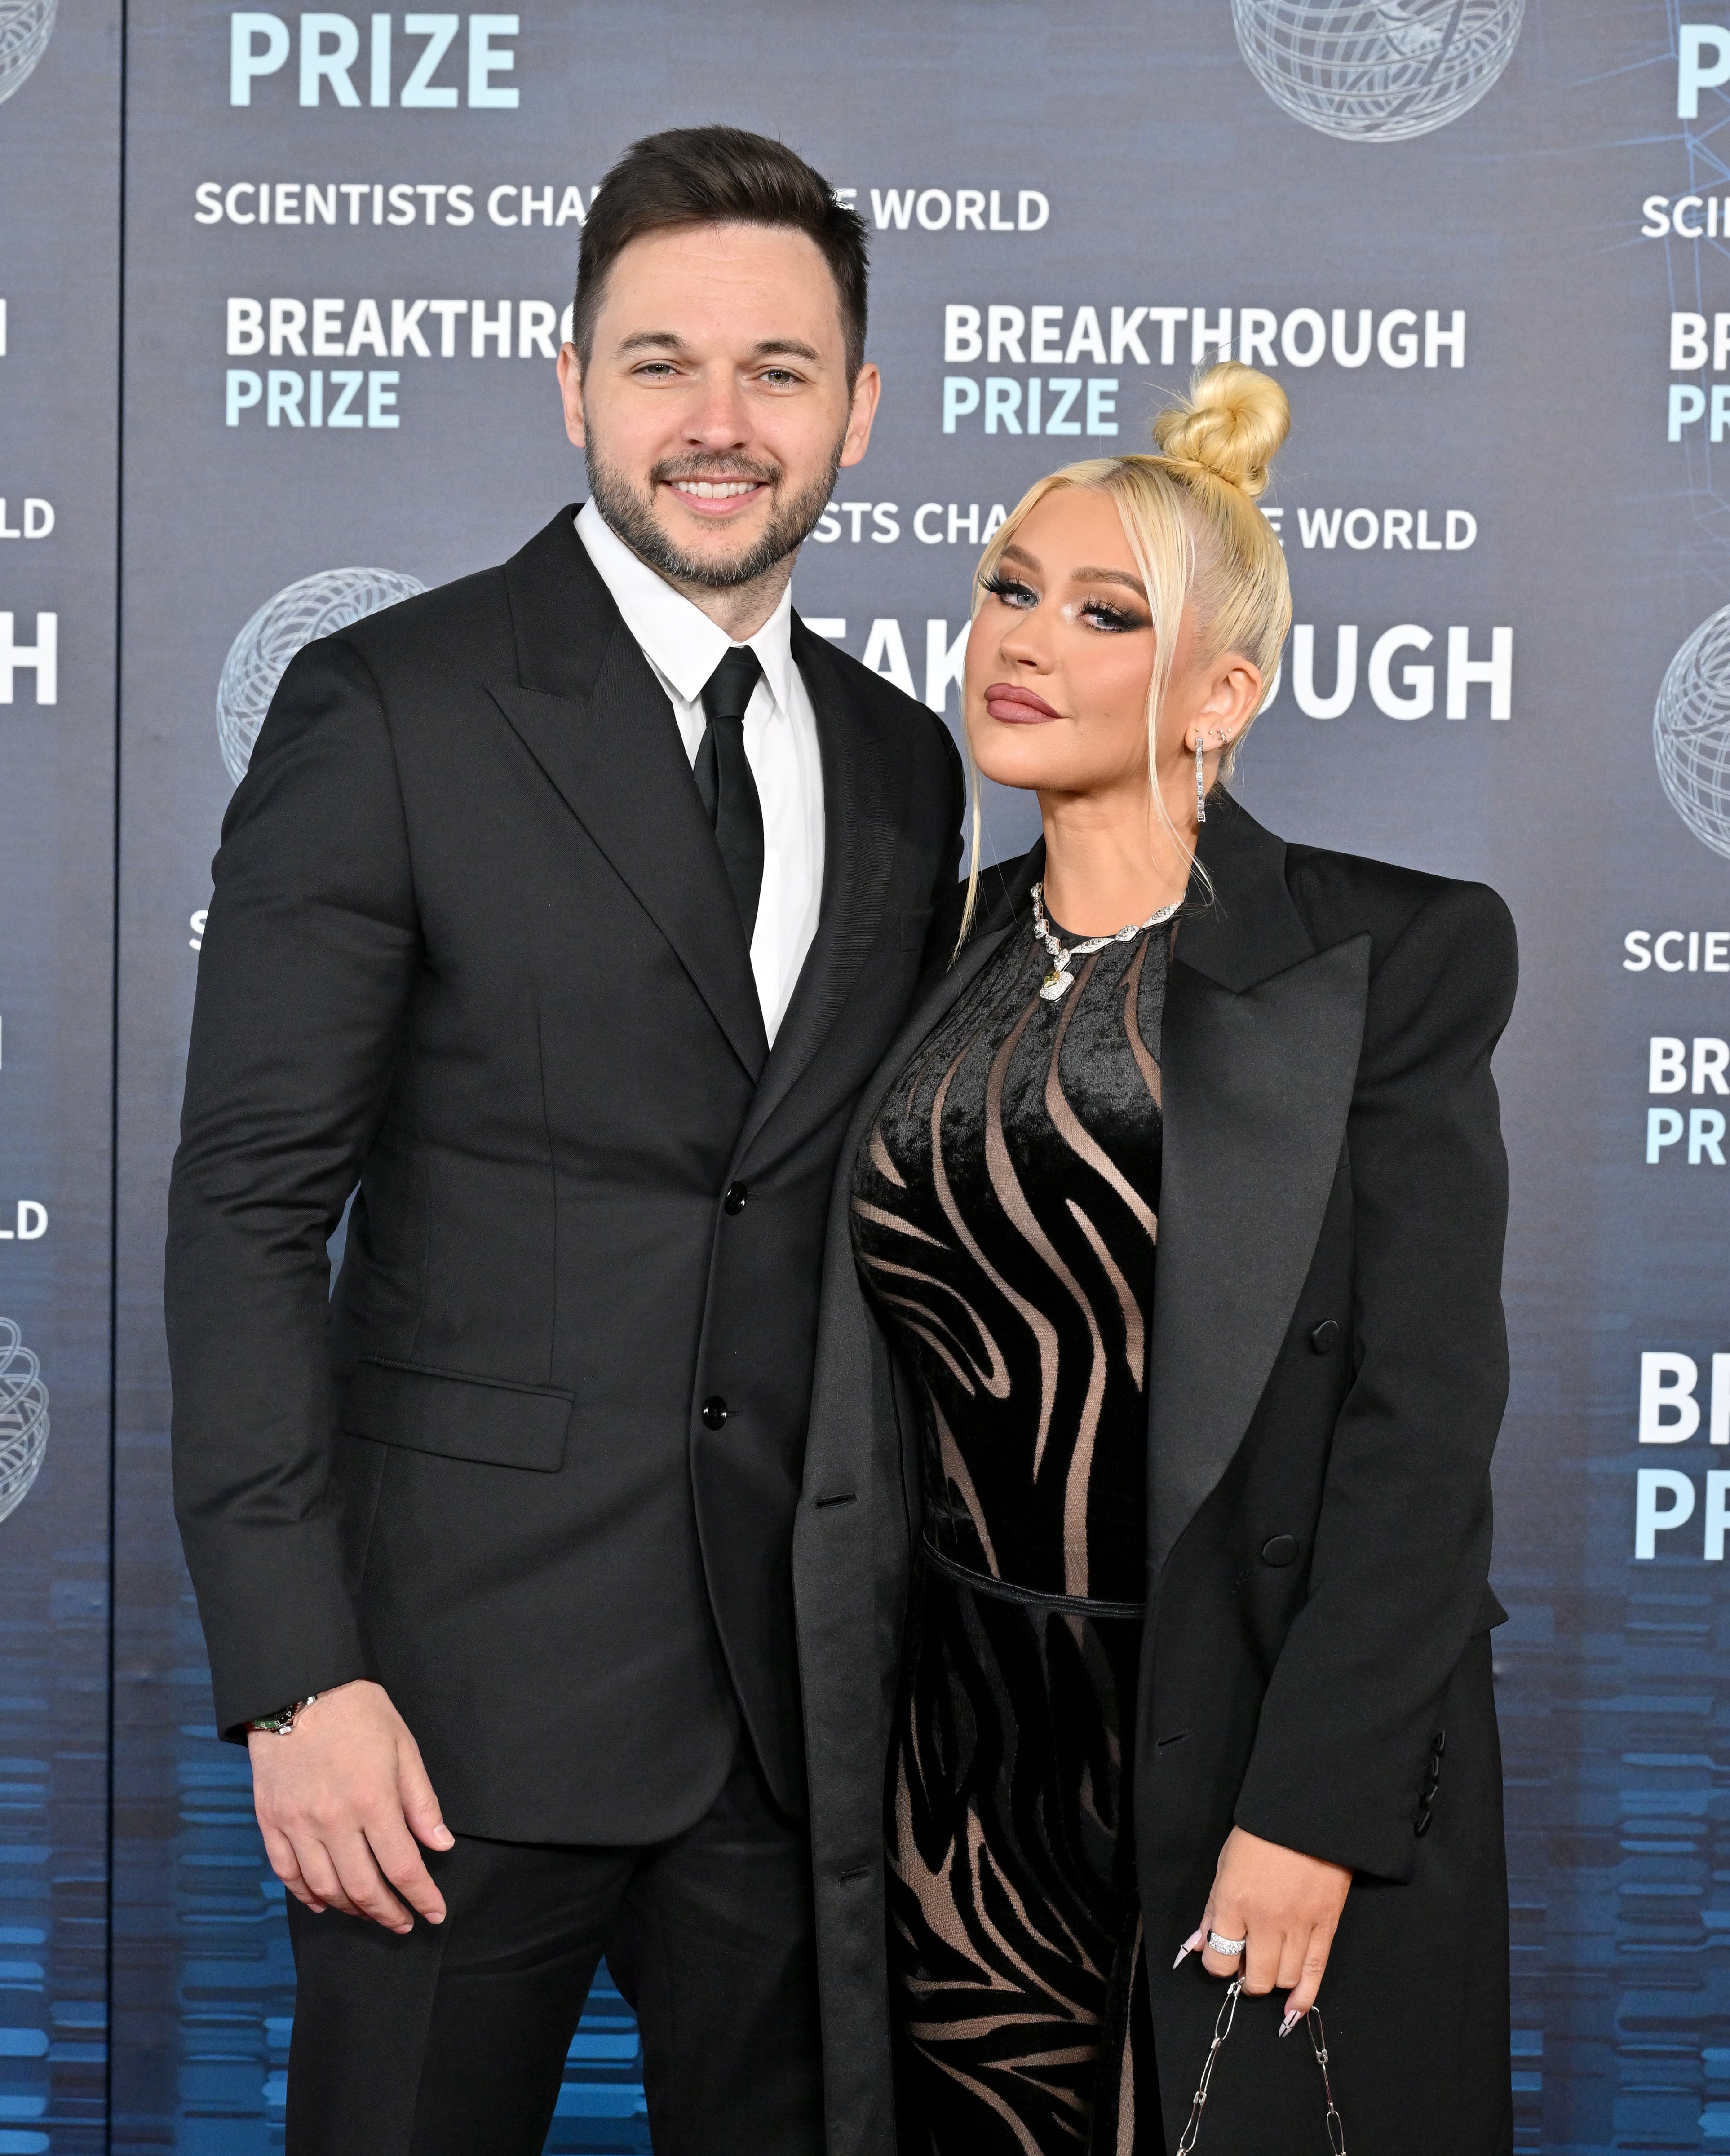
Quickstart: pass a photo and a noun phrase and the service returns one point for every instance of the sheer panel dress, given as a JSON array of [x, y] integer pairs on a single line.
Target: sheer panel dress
[[1005, 1221]]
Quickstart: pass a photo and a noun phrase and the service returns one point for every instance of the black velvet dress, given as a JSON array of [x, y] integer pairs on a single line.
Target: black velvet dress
[[1004, 1220]]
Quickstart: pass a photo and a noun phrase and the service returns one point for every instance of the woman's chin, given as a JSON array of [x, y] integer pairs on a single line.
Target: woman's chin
[[1019, 765]]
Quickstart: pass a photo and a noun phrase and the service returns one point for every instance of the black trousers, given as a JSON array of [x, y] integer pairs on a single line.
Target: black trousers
[[451, 2040]]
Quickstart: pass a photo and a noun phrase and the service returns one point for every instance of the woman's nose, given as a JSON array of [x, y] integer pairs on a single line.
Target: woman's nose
[[1022, 645]]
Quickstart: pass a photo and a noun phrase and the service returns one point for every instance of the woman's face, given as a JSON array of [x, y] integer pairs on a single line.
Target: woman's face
[[1062, 652]]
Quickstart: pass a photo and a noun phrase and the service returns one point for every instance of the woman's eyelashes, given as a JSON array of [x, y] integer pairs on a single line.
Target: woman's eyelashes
[[1103, 615], [1099, 613]]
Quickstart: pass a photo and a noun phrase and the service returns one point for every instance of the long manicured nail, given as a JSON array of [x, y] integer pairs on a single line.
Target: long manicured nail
[[1289, 2024], [1188, 1946]]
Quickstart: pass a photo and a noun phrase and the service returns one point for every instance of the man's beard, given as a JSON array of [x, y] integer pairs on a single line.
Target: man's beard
[[632, 515]]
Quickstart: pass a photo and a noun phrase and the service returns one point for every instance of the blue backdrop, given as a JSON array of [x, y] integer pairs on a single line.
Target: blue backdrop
[[285, 289]]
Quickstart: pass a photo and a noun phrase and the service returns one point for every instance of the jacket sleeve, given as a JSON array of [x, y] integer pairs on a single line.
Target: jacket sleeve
[[309, 957], [1401, 1561]]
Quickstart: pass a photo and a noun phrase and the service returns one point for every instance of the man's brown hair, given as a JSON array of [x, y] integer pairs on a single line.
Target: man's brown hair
[[691, 175]]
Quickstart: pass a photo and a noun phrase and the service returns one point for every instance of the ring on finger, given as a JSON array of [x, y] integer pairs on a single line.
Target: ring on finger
[[1227, 1946]]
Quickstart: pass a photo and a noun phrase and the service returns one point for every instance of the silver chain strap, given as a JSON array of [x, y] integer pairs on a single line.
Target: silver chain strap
[[1222, 2028]]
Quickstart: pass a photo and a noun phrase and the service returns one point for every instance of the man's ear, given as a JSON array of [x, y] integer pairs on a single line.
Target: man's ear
[[867, 388], [570, 384]]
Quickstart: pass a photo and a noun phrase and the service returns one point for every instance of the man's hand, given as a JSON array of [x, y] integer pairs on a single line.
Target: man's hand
[[342, 1801], [1286, 1905]]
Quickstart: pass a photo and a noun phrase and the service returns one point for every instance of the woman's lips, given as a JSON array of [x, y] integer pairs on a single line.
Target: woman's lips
[[1017, 708]]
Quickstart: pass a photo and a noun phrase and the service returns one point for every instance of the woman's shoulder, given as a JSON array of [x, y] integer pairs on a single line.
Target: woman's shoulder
[[1424, 928], [1344, 895]]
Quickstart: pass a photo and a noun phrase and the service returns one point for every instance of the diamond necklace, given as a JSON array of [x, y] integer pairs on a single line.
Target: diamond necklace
[[1059, 980]]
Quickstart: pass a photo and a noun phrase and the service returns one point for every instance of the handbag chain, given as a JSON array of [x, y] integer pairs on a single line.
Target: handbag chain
[[1222, 2028]]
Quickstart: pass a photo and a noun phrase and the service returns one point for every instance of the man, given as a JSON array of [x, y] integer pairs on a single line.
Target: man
[[563, 910]]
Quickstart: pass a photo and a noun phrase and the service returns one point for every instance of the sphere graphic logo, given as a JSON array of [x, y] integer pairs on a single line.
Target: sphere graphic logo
[[25, 28], [1377, 70], [23, 1418], [1690, 733], [316, 606]]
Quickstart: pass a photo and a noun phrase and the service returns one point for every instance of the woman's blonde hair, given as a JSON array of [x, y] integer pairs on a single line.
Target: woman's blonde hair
[[1198, 538]]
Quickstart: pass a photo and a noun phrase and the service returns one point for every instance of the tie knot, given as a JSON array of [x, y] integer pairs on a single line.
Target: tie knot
[[727, 690]]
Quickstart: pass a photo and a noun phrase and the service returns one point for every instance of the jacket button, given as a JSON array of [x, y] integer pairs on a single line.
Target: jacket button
[[1279, 1549], [1323, 1338], [734, 1196], [714, 1411]]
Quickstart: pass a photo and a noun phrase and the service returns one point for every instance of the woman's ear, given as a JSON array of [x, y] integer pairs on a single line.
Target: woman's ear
[[1234, 696]]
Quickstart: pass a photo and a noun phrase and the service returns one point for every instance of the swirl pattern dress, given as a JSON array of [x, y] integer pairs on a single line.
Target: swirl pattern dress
[[1005, 1222]]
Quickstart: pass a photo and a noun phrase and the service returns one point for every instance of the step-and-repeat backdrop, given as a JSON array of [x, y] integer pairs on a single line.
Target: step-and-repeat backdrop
[[59, 372], [289, 287]]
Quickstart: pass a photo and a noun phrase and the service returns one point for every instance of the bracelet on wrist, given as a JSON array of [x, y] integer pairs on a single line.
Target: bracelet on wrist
[[283, 1721]]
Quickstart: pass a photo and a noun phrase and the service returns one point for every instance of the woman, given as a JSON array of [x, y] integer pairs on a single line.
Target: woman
[[1162, 1362]]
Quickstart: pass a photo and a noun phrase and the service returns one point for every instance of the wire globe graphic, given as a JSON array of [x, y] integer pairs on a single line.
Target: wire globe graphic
[[1377, 70], [1690, 733], [316, 606], [25, 28], [23, 1418]]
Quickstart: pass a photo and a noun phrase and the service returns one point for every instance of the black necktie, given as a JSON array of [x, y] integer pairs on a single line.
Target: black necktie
[[723, 776]]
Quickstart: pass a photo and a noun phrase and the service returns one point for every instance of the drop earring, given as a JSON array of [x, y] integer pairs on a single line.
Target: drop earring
[[1201, 785]]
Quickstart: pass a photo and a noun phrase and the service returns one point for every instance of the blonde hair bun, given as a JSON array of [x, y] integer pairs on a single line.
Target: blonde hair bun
[[1232, 423]]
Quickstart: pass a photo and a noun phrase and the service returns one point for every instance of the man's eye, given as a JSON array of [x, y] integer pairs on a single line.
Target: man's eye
[[660, 369], [779, 376]]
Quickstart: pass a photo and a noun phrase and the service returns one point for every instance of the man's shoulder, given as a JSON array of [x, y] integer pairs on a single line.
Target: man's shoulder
[[448, 613], [475, 620], [889, 707]]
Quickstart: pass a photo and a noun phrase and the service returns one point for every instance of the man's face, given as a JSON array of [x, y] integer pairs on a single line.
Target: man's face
[[715, 408]]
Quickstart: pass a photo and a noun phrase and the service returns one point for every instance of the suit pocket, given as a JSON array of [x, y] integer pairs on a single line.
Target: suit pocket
[[485, 1419]]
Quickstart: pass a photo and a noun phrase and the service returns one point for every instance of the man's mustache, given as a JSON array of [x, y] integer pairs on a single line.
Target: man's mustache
[[717, 467]]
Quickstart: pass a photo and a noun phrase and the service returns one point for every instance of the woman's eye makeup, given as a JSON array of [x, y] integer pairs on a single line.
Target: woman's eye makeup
[[1104, 614]]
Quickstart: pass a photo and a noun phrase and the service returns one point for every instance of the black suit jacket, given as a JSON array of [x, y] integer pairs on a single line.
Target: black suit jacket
[[472, 949], [1327, 1378]]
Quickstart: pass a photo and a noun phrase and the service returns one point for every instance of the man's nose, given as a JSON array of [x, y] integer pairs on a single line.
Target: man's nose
[[717, 416]]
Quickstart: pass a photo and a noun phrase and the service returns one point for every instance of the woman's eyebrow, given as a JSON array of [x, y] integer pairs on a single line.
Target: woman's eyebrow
[[1106, 576]]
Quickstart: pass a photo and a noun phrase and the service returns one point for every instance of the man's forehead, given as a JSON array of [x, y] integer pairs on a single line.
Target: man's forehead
[[669, 292], [676, 342]]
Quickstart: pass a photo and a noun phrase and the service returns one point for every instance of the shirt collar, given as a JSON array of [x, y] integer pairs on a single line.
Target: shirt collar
[[679, 638]]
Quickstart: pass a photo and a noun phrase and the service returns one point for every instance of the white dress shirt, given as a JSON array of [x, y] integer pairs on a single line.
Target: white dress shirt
[[684, 648]]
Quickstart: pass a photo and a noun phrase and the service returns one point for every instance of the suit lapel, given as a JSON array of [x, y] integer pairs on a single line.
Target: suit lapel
[[587, 708], [859, 844], [1258, 1057], [944, 986]]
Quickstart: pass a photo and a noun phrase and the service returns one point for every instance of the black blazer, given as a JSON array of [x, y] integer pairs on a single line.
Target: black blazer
[[1328, 1375], [472, 949]]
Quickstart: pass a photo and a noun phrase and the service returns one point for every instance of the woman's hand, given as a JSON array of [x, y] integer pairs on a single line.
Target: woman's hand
[[1287, 1906]]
